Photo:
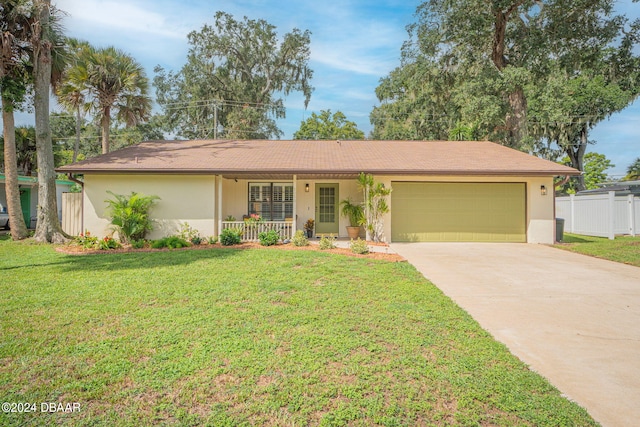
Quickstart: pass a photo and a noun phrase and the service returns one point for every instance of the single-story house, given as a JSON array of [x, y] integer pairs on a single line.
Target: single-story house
[[441, 190], [28, 186]]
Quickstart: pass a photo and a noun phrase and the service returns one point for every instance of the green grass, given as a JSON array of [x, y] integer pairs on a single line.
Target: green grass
[[623, 249], [252, 337]]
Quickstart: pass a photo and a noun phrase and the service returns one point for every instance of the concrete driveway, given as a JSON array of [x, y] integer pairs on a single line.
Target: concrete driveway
[[572, 318]]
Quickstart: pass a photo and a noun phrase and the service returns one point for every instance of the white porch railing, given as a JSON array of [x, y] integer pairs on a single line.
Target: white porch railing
[[251, 230]]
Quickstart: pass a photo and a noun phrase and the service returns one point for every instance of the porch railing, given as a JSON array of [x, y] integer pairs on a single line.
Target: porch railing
[[250, 230]]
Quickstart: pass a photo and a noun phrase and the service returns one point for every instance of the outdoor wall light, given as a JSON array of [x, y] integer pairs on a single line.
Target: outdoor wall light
[[543, 190], [306, 188]]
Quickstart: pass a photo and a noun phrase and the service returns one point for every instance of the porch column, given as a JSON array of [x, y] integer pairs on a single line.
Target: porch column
[[295, 198], [219, 178]]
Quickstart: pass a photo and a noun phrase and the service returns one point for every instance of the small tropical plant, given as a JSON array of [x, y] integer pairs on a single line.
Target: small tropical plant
[[359, 246], [130, 215], [268, 238], [138, 244], [327, 242], [108, 243], [300, 239], [309, 224], [231, 236], [230, 218], [353, 211], [86, 240], [190, 234], [171, 242], [212, 240], [375, 206]]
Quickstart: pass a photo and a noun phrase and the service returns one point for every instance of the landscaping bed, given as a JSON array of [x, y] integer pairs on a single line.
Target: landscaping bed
[[71, 249]]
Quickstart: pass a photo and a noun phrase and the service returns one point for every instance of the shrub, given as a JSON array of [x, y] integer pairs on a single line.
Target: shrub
[[359, 246], [171, 242], [300, 239], [231, 236], [212, 240], [130, 215], [268, 238], [327, 242], [108, 243], [190, 234], [86, 240], [138, 244]]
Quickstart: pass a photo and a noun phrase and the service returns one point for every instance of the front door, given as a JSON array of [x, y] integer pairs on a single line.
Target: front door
[[327, 209], [25, 202]]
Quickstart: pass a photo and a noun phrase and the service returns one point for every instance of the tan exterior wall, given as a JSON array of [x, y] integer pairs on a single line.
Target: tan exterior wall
[[194, 199], [540, 209], [183, 198]]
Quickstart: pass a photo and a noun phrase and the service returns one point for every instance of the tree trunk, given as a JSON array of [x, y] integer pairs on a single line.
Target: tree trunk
[[76, 145], [48, 228], [16, 219], [576, 155], [105, 130], [516, 119]]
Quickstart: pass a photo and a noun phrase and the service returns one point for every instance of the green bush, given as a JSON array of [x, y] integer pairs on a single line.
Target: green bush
[[268, 238], [171, 242], [108, 243], [86, 240], [300, 239], [359, 246], [138, 244], [231, 236], [212, 240], [190, 234], [327, 242], [130, 215]]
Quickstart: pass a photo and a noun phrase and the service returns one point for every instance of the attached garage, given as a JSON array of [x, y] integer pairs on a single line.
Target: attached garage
[[458, 212]]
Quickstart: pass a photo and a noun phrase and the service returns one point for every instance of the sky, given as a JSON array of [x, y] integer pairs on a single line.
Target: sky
[[354, 43]]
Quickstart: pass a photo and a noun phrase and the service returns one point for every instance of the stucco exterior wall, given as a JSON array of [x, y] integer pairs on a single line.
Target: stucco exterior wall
[[540, 219], [183, 198]]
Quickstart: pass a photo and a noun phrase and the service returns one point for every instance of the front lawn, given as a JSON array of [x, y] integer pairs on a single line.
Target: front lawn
[[624, 249], [228, 337]]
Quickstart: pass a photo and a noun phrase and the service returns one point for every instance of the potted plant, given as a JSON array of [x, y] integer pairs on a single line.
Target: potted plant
[[308, 226], [355, 214]]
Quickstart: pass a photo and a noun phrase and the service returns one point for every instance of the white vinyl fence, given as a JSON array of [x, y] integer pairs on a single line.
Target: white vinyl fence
[[603, 215]]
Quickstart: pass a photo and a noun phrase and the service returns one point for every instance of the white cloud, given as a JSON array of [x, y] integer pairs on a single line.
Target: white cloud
[[116, 17]]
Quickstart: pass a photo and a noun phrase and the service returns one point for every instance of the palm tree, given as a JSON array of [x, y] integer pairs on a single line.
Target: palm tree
[[633, 171], [46, 44], [15, 26], [106, 80], [71, 92]]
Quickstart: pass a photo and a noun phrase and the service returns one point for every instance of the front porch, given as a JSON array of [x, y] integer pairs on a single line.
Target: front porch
[[283, 204]]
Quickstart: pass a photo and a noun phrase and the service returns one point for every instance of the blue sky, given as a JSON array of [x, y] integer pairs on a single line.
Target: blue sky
[[353, 44]]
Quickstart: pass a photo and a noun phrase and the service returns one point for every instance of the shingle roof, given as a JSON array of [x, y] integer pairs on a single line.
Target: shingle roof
[[255, 157]]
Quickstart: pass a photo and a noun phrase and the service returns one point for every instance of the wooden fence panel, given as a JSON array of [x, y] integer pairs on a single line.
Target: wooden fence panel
[[72, 213]]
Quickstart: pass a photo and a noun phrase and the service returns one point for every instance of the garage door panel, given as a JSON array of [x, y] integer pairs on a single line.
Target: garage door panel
[[489, 212]]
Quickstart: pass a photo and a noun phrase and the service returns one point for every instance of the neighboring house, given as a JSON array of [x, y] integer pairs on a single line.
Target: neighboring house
[[621, 188], [442, 190], [29, 196]]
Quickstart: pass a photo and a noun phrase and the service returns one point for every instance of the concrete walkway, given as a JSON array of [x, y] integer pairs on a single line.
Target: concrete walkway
[[574, 319]]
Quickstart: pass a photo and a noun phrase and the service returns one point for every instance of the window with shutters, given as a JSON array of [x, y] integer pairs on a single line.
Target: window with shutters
[[273, 201]]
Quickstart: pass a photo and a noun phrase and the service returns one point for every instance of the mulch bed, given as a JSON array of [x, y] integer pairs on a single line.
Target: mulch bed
[[79, 250]]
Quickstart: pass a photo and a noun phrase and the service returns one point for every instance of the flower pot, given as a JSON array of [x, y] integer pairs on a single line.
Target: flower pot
[[353, 232], [309, 234]]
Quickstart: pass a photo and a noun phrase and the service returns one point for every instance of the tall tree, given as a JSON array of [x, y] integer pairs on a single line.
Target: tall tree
[[328, 126], [45, 39], [633, 171], [230, 84], [71, 92], [479, 63], [15, 27], [105, 80], [595, 172]]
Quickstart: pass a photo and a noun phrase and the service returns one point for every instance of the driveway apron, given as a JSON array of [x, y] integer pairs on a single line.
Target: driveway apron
[[573, 319]]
